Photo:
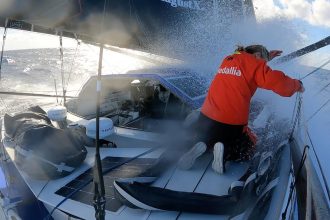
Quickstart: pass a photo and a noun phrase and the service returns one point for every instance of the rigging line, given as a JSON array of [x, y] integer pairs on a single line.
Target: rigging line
[[3, 46], [62, 69], [319, 164], [61, 59], [323, 88], [318, 110], [103, 173], [318, 68], [73, 61]]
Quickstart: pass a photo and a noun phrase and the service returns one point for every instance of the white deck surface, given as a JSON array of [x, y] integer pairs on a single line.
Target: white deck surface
[[201, 178]]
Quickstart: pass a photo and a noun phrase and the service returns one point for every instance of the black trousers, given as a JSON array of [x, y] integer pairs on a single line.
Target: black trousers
[[238, 144]]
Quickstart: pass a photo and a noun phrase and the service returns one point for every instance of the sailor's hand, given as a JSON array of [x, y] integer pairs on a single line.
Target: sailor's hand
[[274, 53], [302, 88]]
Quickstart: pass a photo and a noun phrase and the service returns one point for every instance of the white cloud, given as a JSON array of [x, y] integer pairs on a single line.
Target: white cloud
[[315, 12], [321, 9]]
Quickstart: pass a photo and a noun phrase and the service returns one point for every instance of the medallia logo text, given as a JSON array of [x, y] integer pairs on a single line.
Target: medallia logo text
[[185, 4], [232, 71]]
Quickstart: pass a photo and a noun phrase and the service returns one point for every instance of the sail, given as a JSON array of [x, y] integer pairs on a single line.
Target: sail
[[124, 23]]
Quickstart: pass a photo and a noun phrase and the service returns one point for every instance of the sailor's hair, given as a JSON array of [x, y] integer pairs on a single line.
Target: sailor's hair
[[254, 49], [240, 48]]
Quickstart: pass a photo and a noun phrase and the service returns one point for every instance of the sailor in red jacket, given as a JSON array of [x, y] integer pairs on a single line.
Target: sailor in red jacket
[[223, 120]]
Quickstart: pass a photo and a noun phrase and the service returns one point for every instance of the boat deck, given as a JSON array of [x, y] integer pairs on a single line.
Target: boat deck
[[201, 178]]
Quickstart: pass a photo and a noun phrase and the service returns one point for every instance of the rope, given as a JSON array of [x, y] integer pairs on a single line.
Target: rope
[[318, 110], [323, 88], [73, 61], [62, 69], [3, 47]]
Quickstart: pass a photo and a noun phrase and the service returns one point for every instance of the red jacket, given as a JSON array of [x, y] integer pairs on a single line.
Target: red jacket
[[237, 79]]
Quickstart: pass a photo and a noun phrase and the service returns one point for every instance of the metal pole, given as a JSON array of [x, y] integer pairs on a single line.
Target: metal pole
[[99, 192]]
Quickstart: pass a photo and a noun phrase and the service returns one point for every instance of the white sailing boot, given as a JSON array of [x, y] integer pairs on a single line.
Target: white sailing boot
[[188, 159], [217, 164]]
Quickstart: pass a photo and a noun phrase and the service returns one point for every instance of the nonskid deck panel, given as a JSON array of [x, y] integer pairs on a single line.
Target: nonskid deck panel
[[86, 193]]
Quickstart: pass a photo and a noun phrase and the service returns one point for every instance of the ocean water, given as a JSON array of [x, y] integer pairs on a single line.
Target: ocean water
[[39, 71]]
